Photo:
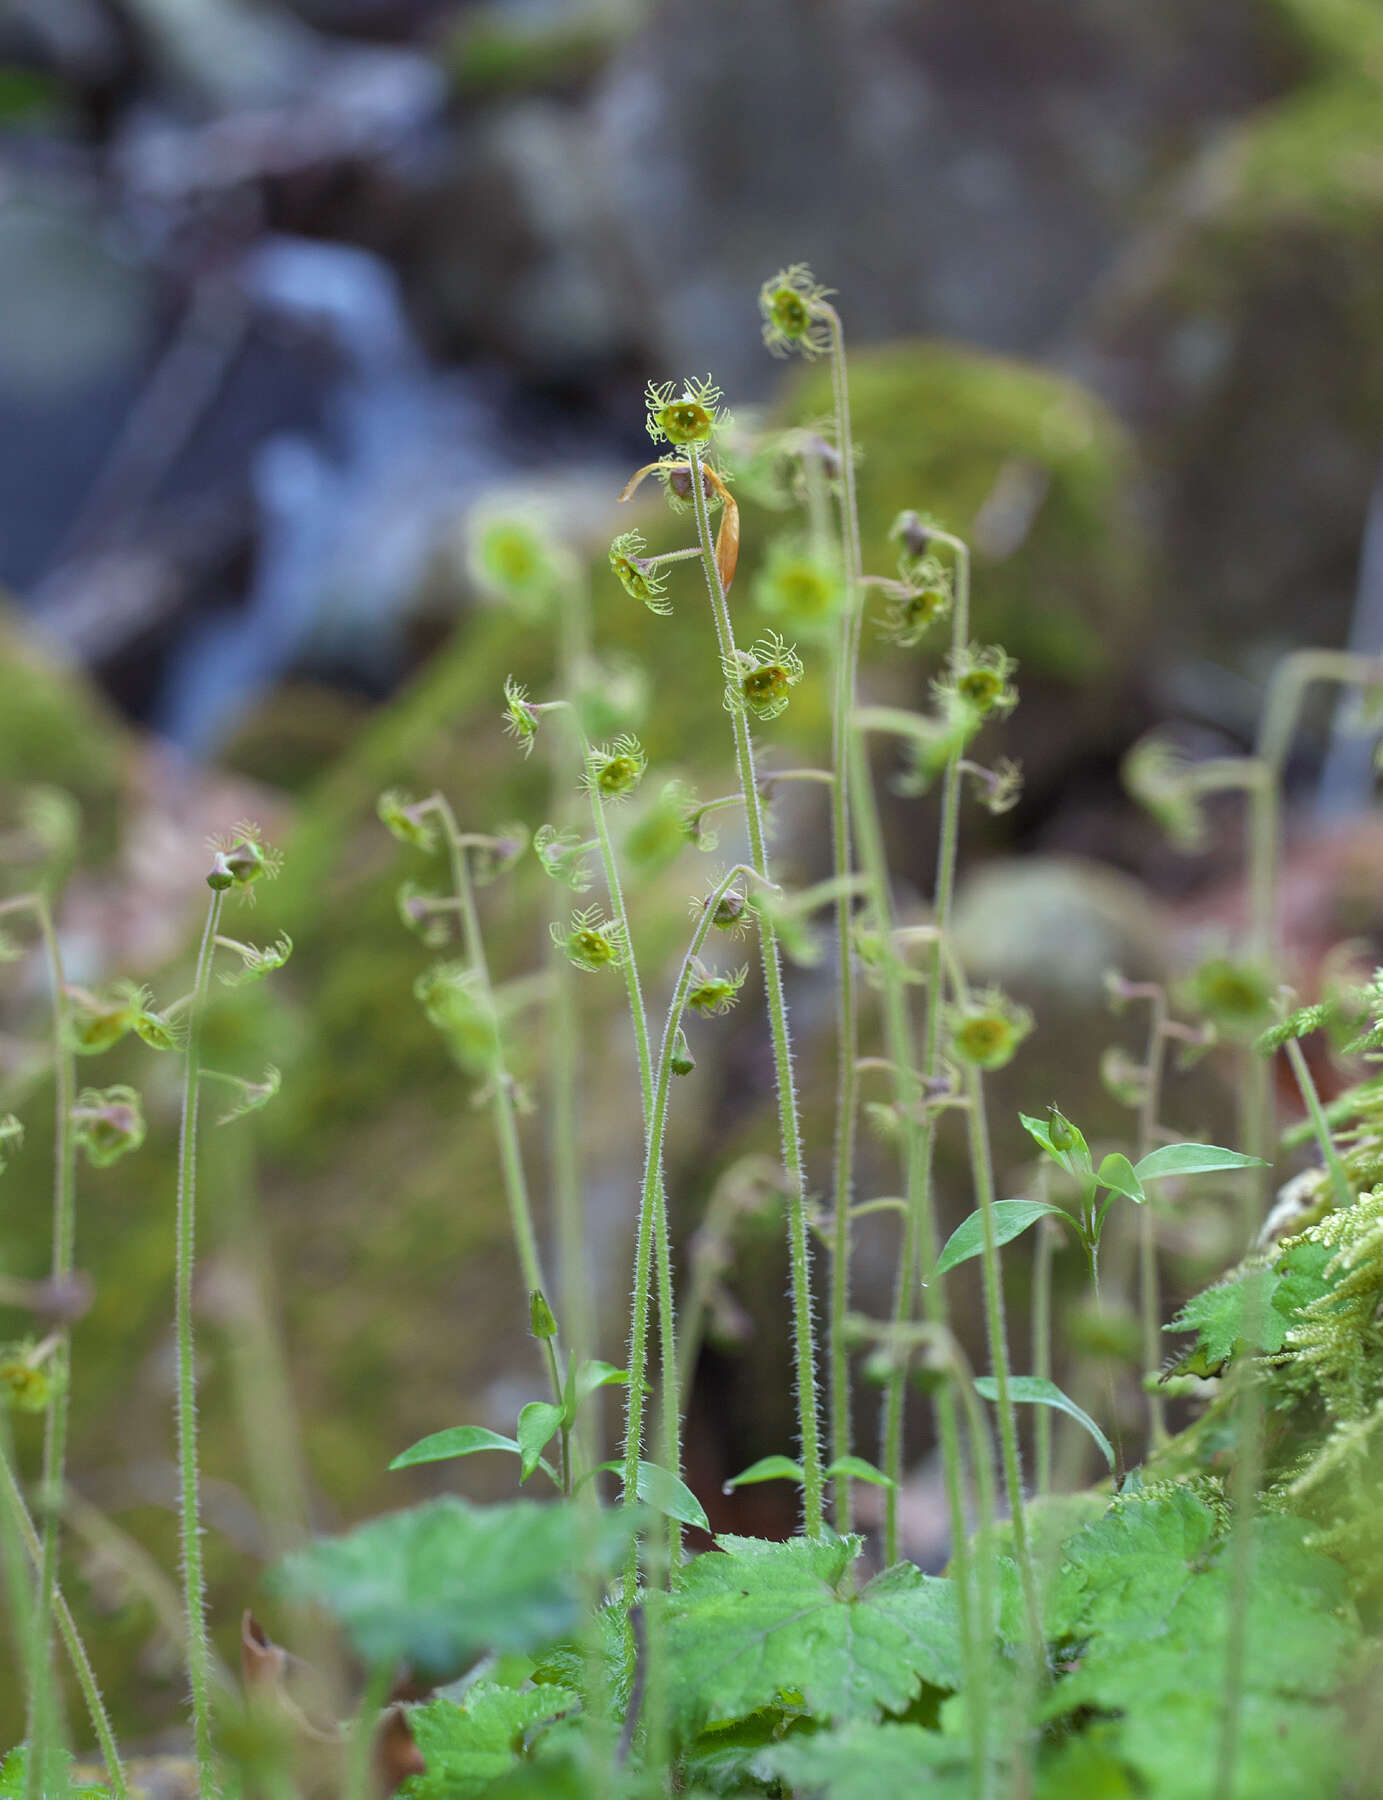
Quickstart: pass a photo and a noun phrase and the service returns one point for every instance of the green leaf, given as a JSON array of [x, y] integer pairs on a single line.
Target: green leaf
[[864, 1761], [436, 1585], [768, 1468], [861, 1471], [57, 1776], [470, 1745], [1240, 1313], [460, 1440], [667, 1493], [539, 1423], [1011, 1218], [1117, 1172], [756, 1625], [1034, 1390], [1192, 1159], [582, 1382], [1150, 1594]]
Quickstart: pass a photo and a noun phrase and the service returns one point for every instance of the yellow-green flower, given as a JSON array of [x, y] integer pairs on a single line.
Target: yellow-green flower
[[794, 315], [682, 416], [712, 993], [614, 770], [762, 678], [637, 576], [987, 1029], [591, 942]]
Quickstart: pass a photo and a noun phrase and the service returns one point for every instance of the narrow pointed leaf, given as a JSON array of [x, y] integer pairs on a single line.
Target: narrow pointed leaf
[[460, 1440], [768, 1468], [1034, 1390], [860, 1470], [539, 1422], [1011, 1219], [1118, 1172], [1193, 1159], [667, 1493]]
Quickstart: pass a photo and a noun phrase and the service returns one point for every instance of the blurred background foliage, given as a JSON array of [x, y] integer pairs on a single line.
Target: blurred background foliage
[[289, 288]]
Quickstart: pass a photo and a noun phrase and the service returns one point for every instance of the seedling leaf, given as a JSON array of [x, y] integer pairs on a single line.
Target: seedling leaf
[[1011, 1219], [668, 1494], [459, 1440], [1035, 1390], [1192, 1159], [539, 1423], [1118, 1173], [768, 1468]]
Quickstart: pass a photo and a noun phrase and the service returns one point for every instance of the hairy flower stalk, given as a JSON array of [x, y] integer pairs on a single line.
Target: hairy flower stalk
[[501, 1095], [194, 1580], [42, 1697], [798, 1249], [652, 1206]]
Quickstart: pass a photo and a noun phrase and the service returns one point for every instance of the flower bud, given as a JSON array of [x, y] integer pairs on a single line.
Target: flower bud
[[682, 1060], [540, 1320], [219, 876]]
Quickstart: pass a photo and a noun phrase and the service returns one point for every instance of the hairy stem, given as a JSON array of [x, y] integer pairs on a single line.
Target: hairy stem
[[194, 1580], [18, 1517], [809, 1434], [42, 1703], [501, 1082]]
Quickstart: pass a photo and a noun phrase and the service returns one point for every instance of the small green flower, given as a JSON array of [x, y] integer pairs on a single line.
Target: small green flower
[[248, 857], [511, 558], [242, 854], [590, 941], [637, 576], [999, 789], [563, 855], [731, 913], [520, 716], [1236, 997], [108, 1123], [250, 1095], [798, 586], [987, 1029], [762, 678], [682, 1062], [712, 993], [1156, 772], [410, 821], [424, 912], [923, 597], [614, 770], [27, 1381], [980, 678], [257, 962], [793, 313], [95, 1023], [682, 416], [455, 1001]]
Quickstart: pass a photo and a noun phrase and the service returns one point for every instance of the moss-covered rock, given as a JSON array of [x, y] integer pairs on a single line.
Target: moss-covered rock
[[1244, 335]]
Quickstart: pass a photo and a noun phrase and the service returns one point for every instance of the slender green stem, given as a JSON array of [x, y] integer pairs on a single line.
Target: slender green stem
[[501, 1082], [1149, 1285], [361, 1743], [798, 1247], [977, 1687], [652, 1187], [1301, 1069], [43, 1699], [920, 1236], [978, 1128], [1042, 1350], [194, 1580], [18, 1517], [573, 629]]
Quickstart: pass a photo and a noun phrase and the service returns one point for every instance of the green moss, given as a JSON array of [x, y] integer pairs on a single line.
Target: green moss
[[1316, 158], [490, 53], [940, 427]]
